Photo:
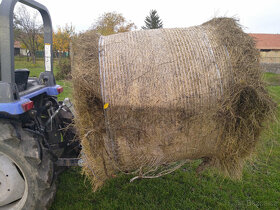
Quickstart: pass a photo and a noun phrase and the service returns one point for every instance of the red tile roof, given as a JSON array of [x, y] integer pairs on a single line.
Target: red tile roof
[[267, 41], [16, 44]]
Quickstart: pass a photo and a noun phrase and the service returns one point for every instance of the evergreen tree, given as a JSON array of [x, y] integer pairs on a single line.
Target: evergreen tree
[[152, 21]]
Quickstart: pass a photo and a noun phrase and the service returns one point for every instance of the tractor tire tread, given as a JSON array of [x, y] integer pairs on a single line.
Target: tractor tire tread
[[26, 148]]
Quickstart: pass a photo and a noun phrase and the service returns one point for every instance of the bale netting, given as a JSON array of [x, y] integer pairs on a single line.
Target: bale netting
[[148, 101]]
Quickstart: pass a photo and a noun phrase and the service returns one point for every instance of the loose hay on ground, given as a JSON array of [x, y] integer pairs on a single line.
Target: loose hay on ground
[[173, 95]]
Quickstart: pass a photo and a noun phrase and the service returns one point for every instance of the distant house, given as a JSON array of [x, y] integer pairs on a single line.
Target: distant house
[[16, 48], [269, 46]]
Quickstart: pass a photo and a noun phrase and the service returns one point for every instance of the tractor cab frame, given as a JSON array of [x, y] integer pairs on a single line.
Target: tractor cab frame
[[16, 87]]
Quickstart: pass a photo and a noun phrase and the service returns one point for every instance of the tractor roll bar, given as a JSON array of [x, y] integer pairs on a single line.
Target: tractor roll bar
[[7, 38]]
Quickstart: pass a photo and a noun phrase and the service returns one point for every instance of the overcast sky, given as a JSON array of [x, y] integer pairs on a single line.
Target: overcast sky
[[258, 16]]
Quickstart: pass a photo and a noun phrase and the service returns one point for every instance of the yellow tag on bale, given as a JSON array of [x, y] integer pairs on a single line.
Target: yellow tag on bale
[[106, 105]]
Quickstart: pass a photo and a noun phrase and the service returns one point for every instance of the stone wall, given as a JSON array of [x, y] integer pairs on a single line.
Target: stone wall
[[271, 67]]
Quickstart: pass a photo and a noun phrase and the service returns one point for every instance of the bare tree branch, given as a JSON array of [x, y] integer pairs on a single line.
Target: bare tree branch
[[27, 29]]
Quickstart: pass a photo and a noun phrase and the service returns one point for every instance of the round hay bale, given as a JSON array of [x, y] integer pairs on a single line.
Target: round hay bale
[[145, 99]]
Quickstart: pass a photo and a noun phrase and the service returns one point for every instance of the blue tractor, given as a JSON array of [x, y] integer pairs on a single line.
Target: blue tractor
[[36, 132]]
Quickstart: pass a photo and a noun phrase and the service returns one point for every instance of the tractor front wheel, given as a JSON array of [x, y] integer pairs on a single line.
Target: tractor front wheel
[[26, 170]]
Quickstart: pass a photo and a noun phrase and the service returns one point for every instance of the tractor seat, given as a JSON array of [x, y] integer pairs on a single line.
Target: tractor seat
[[21, 79]]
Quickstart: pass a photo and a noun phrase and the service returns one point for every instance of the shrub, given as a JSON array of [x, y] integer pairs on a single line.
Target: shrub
[[64, 69]]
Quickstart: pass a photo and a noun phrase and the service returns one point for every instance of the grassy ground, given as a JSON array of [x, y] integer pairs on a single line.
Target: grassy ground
[[35, 69], [183, 189], [272, 79]]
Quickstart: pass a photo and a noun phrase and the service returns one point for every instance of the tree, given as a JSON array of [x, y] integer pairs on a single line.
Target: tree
[[61, 43], [62, 39], [112, 23], [28, 31], [152, 21]]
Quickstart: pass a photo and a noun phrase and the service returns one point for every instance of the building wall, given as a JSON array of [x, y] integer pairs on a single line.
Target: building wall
[[23, 52], [272, 56], [271, 67]]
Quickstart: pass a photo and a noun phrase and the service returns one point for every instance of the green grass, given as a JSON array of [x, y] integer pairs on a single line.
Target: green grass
[[183, 189], [275, 92], [67, 89], [272, 79], [35, 69]]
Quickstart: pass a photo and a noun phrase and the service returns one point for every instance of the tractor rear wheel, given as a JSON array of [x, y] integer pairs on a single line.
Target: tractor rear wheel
[[26, 170]]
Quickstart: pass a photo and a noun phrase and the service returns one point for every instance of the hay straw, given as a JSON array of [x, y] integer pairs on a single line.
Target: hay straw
[[173, 95]]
